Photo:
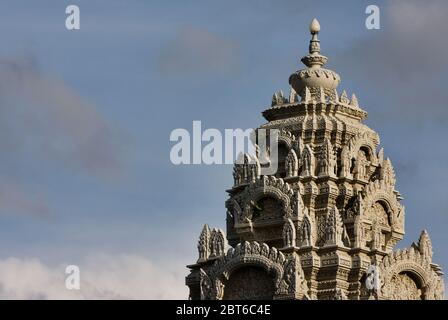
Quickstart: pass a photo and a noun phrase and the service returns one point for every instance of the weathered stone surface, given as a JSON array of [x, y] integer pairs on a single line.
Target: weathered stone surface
[[326, 225]]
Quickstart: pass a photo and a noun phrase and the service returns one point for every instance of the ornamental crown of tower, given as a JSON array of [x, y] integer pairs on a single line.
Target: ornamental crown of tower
[[325, 225], [314, 76]]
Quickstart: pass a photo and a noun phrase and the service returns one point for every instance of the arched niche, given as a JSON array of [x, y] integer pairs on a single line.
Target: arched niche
[[377, 191], [250, 282], [361, 163], [404, 276], [282, 153], [267, 207], [381, 213], [267, 218], [367, 152], [406, 285]]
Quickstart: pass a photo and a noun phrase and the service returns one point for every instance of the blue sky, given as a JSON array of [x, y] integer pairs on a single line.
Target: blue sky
[[86, 117]]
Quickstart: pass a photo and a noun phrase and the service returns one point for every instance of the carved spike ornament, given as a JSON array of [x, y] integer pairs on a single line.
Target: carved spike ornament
[[326, 224]]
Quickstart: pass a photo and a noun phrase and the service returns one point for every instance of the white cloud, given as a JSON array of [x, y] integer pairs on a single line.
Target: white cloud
[[102, 277]]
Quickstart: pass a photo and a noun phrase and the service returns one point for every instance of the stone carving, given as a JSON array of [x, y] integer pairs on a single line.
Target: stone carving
[[381, 203], [307, 165], [344, 98], [291, 164], [213, 280], [425, 246], [286, 238], [306, 97], [363, 141], [289, 234], [321, 95], [287, 284], [376, 236], [354, 209], [246, 170], [402, 287], [293, 284], [249, 283], [401, 267], [206, 286], [354, 101], [293, 96], [298, 147], [298, 206], [359, 233], [204, 244], [361, 166], [345, 163], [267, 186], [235, 211], [339, 294], [287, 138], [331, 156], [324, 159], [305, 232], [217, 243], [435, 288], [387, 173], [335, 96], [333, 228], [278, 99], [381, 155]]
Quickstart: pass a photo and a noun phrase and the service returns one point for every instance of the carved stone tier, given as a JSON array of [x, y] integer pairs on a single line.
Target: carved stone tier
[[325, 225]]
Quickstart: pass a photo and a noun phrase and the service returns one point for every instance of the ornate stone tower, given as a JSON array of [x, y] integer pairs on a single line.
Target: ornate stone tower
[[325, 225]]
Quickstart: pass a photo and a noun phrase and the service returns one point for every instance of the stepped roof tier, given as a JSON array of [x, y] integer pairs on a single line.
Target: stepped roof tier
[[325, 225]]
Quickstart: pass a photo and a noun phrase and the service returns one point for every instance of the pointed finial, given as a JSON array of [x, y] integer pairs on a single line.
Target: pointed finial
[[343, 98], [314, 47], [335, 95], [312, 77], [292, 95], [314, 26], [354, 101]]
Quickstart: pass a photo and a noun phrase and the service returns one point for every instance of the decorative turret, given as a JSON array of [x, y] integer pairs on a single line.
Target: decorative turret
[[327, 221], [314, 76]]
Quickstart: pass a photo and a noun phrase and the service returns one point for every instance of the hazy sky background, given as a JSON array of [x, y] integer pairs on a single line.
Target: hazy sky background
[[85, 119]]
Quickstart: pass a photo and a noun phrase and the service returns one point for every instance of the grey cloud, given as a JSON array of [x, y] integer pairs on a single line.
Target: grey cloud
[[14, 199], [196, 50], [405, 62], [45, 123], [42, 117]]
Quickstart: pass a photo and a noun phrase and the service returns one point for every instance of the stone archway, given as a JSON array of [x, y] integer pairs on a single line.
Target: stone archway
[[405, 275], [267, 208], [249, 283], [406, 286]]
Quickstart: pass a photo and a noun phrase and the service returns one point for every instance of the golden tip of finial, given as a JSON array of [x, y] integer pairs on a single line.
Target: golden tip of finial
[[314, 26]]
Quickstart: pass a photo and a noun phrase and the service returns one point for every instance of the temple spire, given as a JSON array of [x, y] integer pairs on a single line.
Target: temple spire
[[314, 59], [314, 43], [314, 76]]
